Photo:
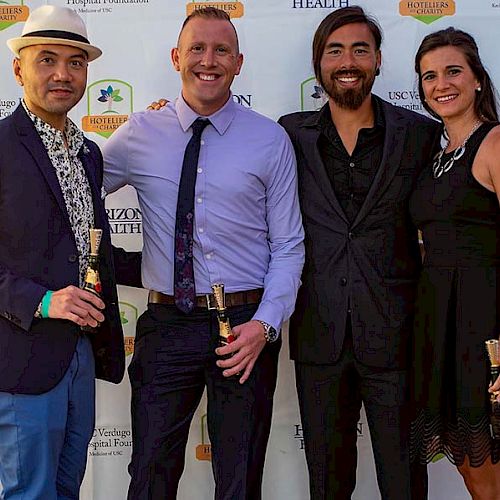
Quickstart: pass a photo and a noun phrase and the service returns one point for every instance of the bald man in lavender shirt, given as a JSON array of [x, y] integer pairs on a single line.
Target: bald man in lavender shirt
[[247, 234]]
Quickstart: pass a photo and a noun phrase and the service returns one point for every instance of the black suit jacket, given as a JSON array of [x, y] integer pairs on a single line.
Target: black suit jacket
[[369, 267], [38, 253]]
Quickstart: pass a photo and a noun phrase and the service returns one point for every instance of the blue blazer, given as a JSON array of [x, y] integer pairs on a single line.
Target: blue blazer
[[38, 253]]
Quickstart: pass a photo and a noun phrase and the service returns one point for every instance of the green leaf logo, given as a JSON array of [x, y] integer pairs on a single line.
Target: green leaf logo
[[123, 318], [110, 96]]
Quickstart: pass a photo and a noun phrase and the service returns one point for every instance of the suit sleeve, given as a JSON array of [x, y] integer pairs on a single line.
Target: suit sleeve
[[127, 267], [19, 295], [19, 298]]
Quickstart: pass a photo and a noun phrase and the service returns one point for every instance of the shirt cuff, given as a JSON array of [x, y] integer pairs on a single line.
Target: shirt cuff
[[268, 313], [38, 312]]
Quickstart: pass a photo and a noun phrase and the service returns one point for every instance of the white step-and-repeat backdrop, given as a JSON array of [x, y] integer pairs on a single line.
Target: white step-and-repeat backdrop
[[275, 38]]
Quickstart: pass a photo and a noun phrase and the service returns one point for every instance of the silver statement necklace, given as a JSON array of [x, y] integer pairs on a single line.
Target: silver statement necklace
[[438, 168]]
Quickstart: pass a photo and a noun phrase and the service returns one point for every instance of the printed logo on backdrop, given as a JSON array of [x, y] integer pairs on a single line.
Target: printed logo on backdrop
[[405, 98], [128, 317], [312, 95], [232, 7], [109, 103], [110, 441], [100, 6], [244, 99], [427, 11], [319, 4], [12, 12], [299, 436], [204, 449], [125, 220], [7, 107]]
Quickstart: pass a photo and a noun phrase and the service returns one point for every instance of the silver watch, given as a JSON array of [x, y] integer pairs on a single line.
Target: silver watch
[[270, 333]]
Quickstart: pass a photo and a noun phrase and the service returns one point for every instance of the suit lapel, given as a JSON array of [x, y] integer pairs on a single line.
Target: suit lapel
[[88, 165], [395, 134], [33, 143], [309, 143], [30, 139]]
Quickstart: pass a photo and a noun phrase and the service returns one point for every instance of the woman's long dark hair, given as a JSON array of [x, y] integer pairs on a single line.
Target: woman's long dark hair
[[485, 104]]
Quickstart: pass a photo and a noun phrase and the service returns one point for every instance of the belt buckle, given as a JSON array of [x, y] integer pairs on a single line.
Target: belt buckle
[[210, 307]]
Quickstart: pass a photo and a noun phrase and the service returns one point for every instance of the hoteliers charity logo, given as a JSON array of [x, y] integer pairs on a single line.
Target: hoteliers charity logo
[[427, 11], [109, 103], [232, 7], [12, 13], [312, 95]]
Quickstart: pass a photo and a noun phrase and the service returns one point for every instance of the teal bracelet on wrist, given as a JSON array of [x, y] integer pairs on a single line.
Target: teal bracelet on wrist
[[46, 303]]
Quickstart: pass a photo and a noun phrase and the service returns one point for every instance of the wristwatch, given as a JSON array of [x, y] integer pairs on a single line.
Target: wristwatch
[[270, 333]]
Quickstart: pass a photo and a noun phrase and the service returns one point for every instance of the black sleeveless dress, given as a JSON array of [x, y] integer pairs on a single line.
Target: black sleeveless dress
[[457, 309]]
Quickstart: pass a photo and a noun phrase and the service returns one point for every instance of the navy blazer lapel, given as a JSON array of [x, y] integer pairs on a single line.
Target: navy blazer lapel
[[88, 163], [395, 134], [29, 138], [312, 157]]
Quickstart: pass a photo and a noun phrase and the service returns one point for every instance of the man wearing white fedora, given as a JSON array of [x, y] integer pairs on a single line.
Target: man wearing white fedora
[[50, 197]]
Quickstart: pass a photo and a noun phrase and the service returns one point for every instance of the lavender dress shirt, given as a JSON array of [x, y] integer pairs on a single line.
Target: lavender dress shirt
[[248, 230]]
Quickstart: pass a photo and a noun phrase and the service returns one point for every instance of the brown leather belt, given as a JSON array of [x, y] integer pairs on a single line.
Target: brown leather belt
[[232, 299]]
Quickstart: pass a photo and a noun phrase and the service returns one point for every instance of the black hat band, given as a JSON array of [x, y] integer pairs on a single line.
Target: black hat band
[[66, 35]]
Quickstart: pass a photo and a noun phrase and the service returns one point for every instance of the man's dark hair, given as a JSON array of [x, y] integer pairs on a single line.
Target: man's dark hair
[[334, 21], [485, 104], [209, 13]]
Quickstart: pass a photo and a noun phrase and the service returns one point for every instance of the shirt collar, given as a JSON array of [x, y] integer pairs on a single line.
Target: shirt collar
[[52, 138], [325, 117], [220, 120]]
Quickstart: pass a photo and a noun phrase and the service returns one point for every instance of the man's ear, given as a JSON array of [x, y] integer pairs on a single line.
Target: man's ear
[[174, 55], [16, 66], [239, 61]]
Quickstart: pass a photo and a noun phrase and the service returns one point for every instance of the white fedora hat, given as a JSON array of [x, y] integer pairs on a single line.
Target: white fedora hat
[[51, 25]]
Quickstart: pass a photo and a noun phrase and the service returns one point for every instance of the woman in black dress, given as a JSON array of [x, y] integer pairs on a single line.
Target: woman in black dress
[[456, 205]]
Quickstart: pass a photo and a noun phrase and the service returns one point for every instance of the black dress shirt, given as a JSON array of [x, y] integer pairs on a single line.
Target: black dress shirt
[[351, 175]]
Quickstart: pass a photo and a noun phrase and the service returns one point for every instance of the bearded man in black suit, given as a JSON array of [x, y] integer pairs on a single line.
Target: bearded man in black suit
[[358, 160]]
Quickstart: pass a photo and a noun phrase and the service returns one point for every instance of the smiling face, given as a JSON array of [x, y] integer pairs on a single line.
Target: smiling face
[[208, 60], [54, 79], [349, 64], [448, 83]]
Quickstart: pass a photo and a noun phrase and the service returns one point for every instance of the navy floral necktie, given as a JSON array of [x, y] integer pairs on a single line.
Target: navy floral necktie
[[184, 287]]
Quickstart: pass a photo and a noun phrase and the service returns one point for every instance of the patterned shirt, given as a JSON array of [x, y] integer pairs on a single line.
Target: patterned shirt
[[72, 179]]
